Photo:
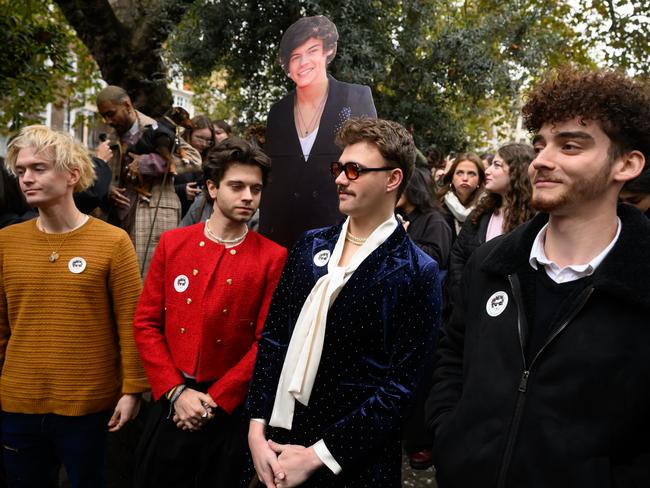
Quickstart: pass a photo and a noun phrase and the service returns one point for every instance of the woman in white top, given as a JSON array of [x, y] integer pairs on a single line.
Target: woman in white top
[[462, 187], [504, 206]]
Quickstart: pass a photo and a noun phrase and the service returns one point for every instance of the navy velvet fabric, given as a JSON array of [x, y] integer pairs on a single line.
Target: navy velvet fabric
[[380, 330]]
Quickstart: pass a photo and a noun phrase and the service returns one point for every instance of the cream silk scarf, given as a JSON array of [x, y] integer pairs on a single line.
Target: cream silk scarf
[[306, 345]]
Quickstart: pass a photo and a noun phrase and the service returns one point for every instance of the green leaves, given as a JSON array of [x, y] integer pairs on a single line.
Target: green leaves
[[453, 72], [443, 69], [41, 61]]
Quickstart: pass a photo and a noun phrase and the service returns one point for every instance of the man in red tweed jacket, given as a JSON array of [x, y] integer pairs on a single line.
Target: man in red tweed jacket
[[197, 325]]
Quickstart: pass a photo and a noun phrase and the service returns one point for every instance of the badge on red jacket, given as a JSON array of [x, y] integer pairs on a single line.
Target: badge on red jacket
[[181, 282]]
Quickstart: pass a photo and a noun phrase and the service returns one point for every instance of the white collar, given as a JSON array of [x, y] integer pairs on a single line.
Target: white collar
[[571, 272], [135, 127]]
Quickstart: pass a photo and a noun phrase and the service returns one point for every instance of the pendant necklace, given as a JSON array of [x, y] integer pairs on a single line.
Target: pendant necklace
[[54, 255], [221, 240], [312, 124]]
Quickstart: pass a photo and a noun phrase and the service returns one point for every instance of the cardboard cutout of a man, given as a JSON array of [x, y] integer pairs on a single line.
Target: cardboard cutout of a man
[[300, 133]]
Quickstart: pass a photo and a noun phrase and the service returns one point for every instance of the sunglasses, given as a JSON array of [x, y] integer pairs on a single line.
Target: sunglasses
[[353, 170]]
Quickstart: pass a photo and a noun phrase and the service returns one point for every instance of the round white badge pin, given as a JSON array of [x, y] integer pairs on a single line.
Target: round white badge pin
[[322, 257], [181, 282], [496, 304], [77, 265]]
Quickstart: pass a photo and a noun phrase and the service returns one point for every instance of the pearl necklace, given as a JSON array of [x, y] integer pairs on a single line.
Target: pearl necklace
[[359, 241], [221, 240]]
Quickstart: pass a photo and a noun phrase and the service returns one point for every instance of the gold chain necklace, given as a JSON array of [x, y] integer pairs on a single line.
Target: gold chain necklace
[[220, 240], [312, 124], [54, 255], [359, 241]]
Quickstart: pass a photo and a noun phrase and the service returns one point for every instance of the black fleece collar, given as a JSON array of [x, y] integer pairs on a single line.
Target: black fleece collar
[[625, 272]]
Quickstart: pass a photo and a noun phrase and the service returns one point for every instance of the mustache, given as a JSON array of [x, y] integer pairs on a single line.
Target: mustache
[[343, 190], [544, 176]]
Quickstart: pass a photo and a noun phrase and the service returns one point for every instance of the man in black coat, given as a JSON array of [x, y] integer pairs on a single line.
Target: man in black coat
[[543, 373]]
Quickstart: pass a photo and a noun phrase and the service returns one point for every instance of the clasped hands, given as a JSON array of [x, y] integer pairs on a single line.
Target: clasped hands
[[283, 465], [193, 410]]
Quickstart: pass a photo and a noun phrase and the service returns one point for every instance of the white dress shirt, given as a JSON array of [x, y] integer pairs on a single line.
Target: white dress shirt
[[571, 272]]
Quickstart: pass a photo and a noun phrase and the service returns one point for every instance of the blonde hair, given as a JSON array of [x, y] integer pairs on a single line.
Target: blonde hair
[[59, 147]]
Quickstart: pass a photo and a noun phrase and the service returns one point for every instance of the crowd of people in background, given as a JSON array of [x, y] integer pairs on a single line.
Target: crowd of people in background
[[229, 329]]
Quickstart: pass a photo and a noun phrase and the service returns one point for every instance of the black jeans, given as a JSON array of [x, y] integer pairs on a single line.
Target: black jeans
[[35, 445]]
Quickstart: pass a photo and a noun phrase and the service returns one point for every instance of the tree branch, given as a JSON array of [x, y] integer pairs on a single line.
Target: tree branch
[[612, 16]]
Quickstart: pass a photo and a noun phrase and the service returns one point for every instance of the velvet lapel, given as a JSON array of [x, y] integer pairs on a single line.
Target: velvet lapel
[[388, 258], [324, 242]]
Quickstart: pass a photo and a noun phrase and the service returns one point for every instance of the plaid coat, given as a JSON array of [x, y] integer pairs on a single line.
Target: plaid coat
[[146, 220]]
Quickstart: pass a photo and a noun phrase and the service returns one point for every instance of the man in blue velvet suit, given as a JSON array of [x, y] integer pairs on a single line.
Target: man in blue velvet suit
[[351, 322]]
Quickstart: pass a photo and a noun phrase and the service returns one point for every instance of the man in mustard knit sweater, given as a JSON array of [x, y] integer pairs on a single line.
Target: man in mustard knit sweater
[[69, 284]]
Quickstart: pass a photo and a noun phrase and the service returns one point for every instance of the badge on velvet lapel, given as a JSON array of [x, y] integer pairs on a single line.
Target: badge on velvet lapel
[[321, 258]]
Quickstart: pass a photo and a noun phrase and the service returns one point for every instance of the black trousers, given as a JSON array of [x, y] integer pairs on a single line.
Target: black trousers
[[415, 434], [34, 446], [170, 457]]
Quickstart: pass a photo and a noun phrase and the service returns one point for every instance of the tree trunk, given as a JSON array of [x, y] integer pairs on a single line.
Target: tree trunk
[[126, 56]]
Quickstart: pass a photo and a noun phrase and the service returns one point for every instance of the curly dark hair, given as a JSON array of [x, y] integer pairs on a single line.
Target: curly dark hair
[[619, 104], [516, 204], [449, 176], [231, 151], [392, 140], [317, 27]]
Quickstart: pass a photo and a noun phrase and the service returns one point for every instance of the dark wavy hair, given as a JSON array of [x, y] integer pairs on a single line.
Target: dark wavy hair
[[449, 176], [516, 204], [392, 140], [317, 27], [619, 104], [435, 157], [419, 191], [233, 151]]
